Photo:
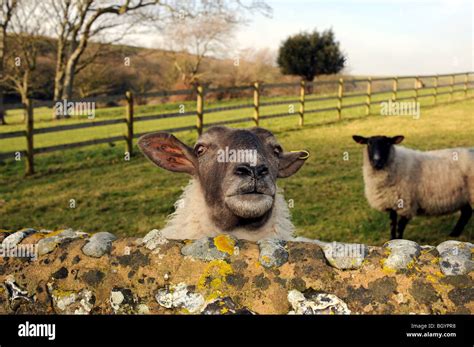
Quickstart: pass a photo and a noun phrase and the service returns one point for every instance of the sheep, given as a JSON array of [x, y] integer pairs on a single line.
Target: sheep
[[233, 186], [407, 182]]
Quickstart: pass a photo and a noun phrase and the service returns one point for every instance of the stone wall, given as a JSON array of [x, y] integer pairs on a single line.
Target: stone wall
[[76, 273]]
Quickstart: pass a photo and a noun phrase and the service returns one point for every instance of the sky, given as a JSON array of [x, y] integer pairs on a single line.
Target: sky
[[379, 37]]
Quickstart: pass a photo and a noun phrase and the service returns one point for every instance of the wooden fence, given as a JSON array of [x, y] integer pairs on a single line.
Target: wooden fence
[[200, 91]]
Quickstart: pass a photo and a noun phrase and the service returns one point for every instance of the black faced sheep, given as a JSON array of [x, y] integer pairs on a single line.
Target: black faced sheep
[[408, 182], [233, 187]]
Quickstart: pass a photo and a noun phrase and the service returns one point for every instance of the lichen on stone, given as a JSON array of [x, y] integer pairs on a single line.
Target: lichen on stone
[[225, 243], [154, 239], [206, 249], [180, 296], [345, 256], [70, 301], [272, 253], [317, 303], [402, 254], [455, 257]]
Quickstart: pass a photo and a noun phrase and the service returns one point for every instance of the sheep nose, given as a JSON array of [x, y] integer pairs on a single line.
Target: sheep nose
[[258, 171], [261, 171], [243, 170]]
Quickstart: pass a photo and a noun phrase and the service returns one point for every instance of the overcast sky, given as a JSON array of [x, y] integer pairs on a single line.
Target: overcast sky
[[379, 36]]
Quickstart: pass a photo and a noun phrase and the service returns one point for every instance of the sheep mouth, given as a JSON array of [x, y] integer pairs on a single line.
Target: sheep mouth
[[249, 205]]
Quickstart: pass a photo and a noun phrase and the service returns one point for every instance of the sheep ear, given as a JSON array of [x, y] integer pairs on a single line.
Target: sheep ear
[[397, 139], [167, 152], [360, 139], [291, 162]]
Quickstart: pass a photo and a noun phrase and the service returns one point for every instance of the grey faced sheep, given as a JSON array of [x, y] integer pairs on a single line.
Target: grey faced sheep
[[408, 182], [233, 187]]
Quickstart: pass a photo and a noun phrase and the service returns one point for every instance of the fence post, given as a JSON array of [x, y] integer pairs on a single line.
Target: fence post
[[466, 80], [436, 89], [129, 120], [369, 96], [452, 89], [394, 89], [417, 85], [339, 98], [30, 164], [256, 102], [302, 96], [199, 108]]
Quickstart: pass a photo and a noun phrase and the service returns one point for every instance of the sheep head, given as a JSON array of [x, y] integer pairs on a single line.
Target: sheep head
[[379, 148], [236, 168]]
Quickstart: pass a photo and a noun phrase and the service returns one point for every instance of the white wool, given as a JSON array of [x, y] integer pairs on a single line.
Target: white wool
[[191, 219], [415, 182]]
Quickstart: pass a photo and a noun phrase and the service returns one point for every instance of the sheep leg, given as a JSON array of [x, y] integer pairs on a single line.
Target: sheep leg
[[393, 224], [466, 213], [402, 223]]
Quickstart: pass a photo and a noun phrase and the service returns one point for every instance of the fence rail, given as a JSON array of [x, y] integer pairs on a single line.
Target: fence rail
[[257, 89]]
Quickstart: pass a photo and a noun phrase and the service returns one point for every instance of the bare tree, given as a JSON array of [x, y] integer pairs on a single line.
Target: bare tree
[[208, 32], [193, 39], [7, 8], [76, 22], [25, 38]]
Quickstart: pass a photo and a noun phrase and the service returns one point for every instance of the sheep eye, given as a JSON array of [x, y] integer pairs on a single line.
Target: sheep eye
[[277, 150], [199, 150]]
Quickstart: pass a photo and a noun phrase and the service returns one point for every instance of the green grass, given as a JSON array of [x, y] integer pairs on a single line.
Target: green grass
[[131, 198]]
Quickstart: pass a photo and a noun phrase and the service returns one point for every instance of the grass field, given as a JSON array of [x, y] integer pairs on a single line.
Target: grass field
[[131, 198]]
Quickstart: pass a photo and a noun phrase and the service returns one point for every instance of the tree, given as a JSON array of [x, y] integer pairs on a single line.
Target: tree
[[207, 31], [310, 54], [7, 8], [76, 23], [26, 44], [192, 39]]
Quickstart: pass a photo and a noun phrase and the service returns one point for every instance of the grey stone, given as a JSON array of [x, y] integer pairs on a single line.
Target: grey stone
[[99, 244], [272, 252], [71, 234], [345, 256], [454, 248], [154, 239], [203, 249], [402, 253], [317, 303], [12, 240], [455, 257], [48, 244]]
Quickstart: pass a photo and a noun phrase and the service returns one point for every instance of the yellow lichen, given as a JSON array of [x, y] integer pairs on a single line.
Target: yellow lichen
[[387, 270], [60, 293], [266, 259], [213, 278], [224, 243]]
